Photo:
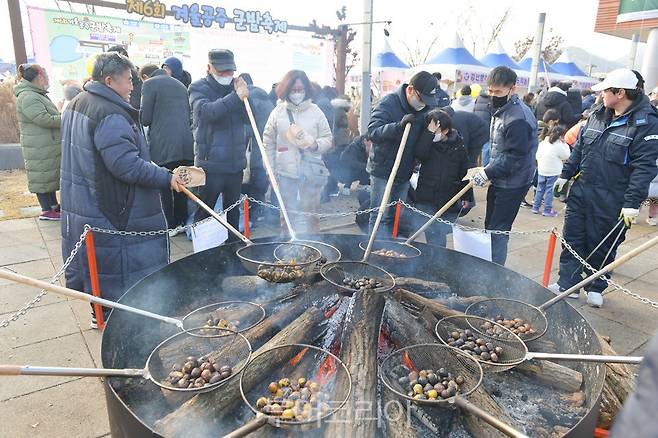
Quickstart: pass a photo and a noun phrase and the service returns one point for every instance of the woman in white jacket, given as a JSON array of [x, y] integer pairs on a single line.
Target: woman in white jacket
[[296, 135]]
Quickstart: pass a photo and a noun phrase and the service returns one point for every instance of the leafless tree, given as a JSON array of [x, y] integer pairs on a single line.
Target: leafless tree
[[551, 50]]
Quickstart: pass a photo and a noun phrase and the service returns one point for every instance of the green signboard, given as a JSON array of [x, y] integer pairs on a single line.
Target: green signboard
[[634, 10]]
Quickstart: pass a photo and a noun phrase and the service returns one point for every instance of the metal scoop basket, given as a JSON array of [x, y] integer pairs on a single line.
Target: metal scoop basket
[[482, 339], [354, 276], [438, 363], [391, 251], [238, 316], [180, 363], [530, 322], [294, 262], [328, 253], [292, 402]]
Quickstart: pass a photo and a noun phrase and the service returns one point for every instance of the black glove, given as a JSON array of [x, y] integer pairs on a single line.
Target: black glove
[[408, 118]]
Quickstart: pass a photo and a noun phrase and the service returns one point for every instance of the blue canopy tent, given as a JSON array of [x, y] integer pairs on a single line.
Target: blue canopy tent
[[498, 56], [388, 70], [387, 59], [456, 65], [564, 65]]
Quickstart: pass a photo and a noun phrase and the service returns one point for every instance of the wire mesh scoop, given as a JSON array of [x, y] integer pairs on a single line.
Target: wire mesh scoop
[[302, 392], [535, 316], [497, 349], [235, 315], [361, 275], [185, 362], [453, 375]]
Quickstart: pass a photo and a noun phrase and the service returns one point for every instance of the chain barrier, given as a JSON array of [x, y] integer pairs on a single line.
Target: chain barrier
[[603, 277], [23, 310]]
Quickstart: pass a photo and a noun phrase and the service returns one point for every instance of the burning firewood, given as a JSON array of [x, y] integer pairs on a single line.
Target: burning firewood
[[358, 418]]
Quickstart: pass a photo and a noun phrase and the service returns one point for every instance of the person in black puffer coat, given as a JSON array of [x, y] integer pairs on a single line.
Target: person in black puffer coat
[[473, 130], [444, 163], [408, 104], [220, 132], [484, 111], [556, 97]]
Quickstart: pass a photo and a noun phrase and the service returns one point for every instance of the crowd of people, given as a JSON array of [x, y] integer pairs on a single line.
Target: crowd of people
[[112, 149]]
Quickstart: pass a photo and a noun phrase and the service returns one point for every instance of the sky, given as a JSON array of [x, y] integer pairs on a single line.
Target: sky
[[418, 21]]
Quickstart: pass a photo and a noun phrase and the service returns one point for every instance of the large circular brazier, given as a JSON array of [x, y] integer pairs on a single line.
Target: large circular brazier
[[196, 280]]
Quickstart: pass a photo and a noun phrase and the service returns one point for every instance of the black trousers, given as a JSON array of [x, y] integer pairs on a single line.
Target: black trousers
[[174, 204], [47, 201], [229, 185], [257, 188], [591, 214], [502, 207]]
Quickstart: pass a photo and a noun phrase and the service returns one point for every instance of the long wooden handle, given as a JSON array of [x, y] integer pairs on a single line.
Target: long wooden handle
[[495, 422], [71, 293], [251, 426], [30, 370], [387, 191], [607, 268], [442, 210], [216, 216], [268, 168]]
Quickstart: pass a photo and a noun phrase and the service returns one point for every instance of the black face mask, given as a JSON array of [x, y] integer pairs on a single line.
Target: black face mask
[[499, 101]]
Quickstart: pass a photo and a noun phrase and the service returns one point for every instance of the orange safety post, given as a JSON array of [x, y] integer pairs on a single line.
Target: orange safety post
[[396, 222], [93, 274], [246, 217], [549, 259]]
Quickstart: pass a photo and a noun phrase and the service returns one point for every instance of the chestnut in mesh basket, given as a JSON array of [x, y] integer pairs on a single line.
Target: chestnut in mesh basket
[[175, 364], [492, 338], [302, 389], [402, 368]]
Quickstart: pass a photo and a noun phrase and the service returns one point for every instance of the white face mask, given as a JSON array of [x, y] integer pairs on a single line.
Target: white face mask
[[223, 80], [438, 136], [416, 103], [296, 98]]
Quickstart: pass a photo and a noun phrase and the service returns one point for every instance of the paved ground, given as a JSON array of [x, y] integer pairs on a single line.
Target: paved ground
[[56, 332]]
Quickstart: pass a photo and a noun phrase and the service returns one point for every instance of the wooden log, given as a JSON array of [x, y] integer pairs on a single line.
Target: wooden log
[[205, 412], [358, 418], [551, 374], [418, 285], [404, 331], [619, 384]]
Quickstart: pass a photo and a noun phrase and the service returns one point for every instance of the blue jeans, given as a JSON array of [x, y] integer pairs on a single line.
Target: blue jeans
[[398, 191], [486, 152], [544, 192]]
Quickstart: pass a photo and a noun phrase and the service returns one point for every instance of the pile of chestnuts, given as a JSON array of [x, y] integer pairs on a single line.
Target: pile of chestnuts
[[222, 323], [466, 341], [280, 272], [197, 373], [432, 385], [294, 400], [516, 325], [362, 283], [389, 253]]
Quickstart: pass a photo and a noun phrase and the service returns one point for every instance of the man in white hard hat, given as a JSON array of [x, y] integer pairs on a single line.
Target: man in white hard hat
[[613, 162]]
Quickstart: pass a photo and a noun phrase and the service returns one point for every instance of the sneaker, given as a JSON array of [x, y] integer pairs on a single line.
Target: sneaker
[[653, 221], [93, 324], [550, 213], [534, 211], [50, 215], [175, 232], [557, 290], [594, 299], [526, 204]]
